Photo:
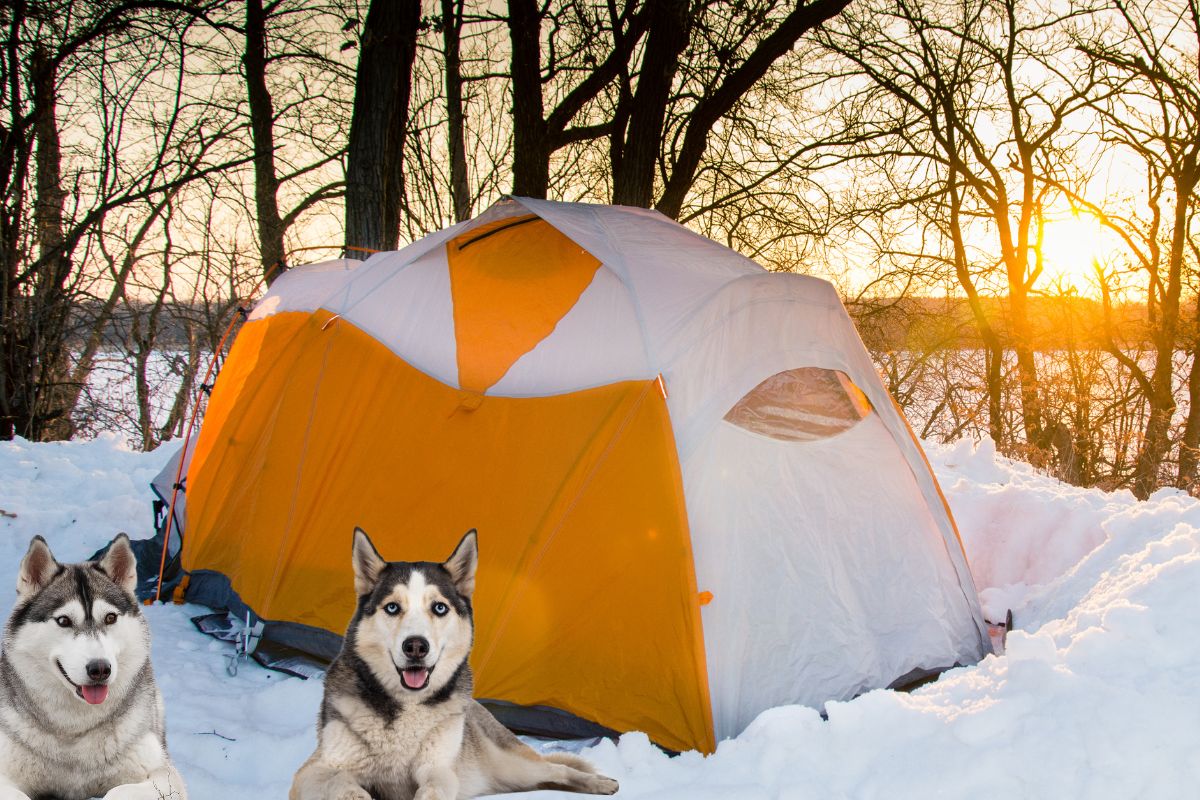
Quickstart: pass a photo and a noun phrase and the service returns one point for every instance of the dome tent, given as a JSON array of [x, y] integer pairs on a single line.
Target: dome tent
[[694, 496]]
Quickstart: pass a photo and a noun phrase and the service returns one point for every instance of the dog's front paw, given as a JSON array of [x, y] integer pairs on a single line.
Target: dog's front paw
[[602, 784], [141, 791], [431, 793], [352, 793]]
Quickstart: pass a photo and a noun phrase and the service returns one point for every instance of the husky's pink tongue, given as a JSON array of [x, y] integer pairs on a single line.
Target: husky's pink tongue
[[414, 678], [94, 694]]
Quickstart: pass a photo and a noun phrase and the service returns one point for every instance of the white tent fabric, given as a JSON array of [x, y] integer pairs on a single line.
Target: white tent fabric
[[834, 565], [825, 584], [163, 485]]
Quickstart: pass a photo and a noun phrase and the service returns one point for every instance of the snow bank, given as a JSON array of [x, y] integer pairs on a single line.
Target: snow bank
[[1097, 697], [1021, 529]]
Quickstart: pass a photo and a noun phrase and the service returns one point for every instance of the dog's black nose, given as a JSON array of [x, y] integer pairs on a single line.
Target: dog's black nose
[[99, 670], [415, 647]]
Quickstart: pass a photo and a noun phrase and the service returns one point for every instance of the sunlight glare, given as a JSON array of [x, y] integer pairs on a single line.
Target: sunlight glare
[[1070, 247]]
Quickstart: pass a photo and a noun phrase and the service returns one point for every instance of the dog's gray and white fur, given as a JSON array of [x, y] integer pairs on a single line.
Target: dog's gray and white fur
[[80, 714], [398, 720]]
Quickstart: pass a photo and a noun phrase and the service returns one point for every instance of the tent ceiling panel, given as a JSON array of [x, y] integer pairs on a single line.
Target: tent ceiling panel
[[411, 313], [378, 270], [599, 341], [511, 283], [669, 270]]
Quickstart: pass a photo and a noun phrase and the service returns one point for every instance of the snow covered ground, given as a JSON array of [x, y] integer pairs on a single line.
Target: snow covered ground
[[1097, 697]]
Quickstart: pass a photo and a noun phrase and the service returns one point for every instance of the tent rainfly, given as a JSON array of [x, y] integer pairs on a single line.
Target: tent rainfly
[[694, 496]]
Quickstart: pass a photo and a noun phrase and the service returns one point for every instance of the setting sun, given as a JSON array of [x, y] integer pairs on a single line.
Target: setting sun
[[1071, 246]]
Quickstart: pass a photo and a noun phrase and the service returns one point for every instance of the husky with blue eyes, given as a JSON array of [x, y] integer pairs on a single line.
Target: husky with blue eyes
[[398, 721], [80, 713]]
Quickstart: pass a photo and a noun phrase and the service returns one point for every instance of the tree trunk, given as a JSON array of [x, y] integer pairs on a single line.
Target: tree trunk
[[14, 160], [48, 412], [1161, 398], [666, 39], [145, 421], [173, 426], [1155, 442], [86, 360], [1189, 447], [460, 191], [531, 146], [375, 159], [993, 349], [1014, 249], [144, 341], [1031, 407], [262, 132]]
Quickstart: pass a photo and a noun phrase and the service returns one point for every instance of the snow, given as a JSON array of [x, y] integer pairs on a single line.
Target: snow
[[1098, 695]]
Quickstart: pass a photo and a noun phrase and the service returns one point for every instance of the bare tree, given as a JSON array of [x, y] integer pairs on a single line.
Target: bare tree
[[642, 113], [287, 36], [589, 39], [654, 79], [48, 45], [1152, 111], [375, 158], [984, 89], [460, 191], [729, 66]]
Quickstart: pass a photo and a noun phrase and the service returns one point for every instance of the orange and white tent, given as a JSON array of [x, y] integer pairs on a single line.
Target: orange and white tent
[[694, 496]]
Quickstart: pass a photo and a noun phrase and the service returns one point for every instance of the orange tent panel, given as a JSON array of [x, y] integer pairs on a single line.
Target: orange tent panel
[[586, 596], [511, 282]]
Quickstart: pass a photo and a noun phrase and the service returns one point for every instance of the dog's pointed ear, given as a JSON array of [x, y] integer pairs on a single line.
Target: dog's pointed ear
[[120, 564], [462, 563], [38, 568], [368, 564]]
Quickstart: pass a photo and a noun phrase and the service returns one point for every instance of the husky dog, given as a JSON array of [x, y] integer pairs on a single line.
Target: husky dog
[[80, 714], [398, 720]]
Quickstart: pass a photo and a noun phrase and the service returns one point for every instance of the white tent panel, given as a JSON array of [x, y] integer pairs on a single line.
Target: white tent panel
[[304, 288], [380, 269], [410, 311], [670, 271], [751, 329], [763, 325], [824, 563], [339, 284], [598, 342]]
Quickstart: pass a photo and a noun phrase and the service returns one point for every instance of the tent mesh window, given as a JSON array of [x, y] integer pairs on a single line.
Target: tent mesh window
[[801, 405]]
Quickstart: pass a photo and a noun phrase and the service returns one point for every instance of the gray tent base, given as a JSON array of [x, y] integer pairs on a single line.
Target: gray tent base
[[911, 681], [268, 654]]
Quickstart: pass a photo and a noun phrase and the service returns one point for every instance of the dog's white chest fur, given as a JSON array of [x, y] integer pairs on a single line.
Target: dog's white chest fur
[[386, 753], [80, 766]]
